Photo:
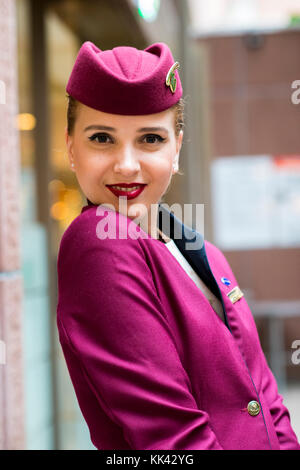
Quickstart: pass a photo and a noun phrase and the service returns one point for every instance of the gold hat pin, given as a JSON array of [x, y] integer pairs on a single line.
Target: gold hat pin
[[235, 294], [170, 78]]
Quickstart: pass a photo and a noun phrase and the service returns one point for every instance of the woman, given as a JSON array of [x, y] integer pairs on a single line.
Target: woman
[[160, 343]]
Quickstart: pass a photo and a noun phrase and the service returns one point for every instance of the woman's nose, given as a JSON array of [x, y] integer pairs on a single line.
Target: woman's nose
[[127, 161]]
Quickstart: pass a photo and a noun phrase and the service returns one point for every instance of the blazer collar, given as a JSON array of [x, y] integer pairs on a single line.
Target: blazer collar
[[192, 246]]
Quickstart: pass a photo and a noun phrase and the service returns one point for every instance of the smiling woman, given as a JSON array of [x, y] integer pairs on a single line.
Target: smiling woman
[[146, 322]]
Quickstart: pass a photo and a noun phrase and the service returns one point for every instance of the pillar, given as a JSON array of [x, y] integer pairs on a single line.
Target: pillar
[[12, 435]]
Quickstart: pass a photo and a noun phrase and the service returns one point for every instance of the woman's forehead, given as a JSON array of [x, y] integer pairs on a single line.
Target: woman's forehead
[[89, 116]]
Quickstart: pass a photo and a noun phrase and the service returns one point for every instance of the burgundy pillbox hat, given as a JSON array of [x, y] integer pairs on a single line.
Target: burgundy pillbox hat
[[125, 80]]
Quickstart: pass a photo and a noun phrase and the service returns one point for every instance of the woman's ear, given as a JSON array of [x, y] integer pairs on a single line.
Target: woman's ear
[[69, 144], [178, 148], [179, 141]]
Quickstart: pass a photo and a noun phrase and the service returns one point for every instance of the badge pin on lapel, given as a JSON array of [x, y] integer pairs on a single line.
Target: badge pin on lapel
[[171, 79], [235, 294]]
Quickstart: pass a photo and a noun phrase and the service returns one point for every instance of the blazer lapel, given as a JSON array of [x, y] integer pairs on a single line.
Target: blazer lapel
[[185, 238]]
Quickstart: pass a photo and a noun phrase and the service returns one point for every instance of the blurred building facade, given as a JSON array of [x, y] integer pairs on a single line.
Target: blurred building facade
[[252, 89], [256, 173], [237, 105]]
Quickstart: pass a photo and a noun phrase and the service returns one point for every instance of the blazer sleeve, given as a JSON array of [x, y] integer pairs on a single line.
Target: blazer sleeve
[[280, 415], [111, 317]]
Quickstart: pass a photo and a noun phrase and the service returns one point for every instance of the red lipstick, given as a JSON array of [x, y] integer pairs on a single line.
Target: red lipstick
[[117, 189]]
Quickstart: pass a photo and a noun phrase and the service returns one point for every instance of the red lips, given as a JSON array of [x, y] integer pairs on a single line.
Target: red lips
[[126, 185], [128, 194]]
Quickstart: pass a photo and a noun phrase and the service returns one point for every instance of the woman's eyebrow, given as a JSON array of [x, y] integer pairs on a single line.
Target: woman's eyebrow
[[153, 129], [99, 127]]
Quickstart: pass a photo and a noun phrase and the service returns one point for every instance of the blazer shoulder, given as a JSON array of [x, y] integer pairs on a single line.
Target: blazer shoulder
[[213, 251], [80, 229], [100, 229], [218, 259]]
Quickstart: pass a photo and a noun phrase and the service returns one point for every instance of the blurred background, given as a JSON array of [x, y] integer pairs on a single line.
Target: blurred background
[[239, 60]]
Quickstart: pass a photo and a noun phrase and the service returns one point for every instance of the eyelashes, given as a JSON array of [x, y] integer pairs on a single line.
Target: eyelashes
[[99, 135], [155, 138]]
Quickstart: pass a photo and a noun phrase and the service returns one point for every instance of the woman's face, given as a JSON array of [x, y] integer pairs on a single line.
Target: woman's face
[[111, 149]]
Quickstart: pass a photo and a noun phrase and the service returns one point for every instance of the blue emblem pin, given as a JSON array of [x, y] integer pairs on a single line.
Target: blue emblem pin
[[225, 281]]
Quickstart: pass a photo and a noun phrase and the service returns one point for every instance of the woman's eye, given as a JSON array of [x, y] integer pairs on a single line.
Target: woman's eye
[[153, 138], [101, 138]]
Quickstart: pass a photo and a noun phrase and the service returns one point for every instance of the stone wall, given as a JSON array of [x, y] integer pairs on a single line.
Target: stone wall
[[12, 435]]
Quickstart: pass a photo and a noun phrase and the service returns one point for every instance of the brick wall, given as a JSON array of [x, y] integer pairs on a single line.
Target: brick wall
[[252, 113]]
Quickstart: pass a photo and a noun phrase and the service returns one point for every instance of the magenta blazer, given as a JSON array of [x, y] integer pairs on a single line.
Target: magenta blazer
[[153, 366]]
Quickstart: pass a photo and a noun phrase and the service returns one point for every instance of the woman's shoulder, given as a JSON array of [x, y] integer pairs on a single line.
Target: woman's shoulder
[[213, 249], [218, 260], [101, 228], [215, 253]]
